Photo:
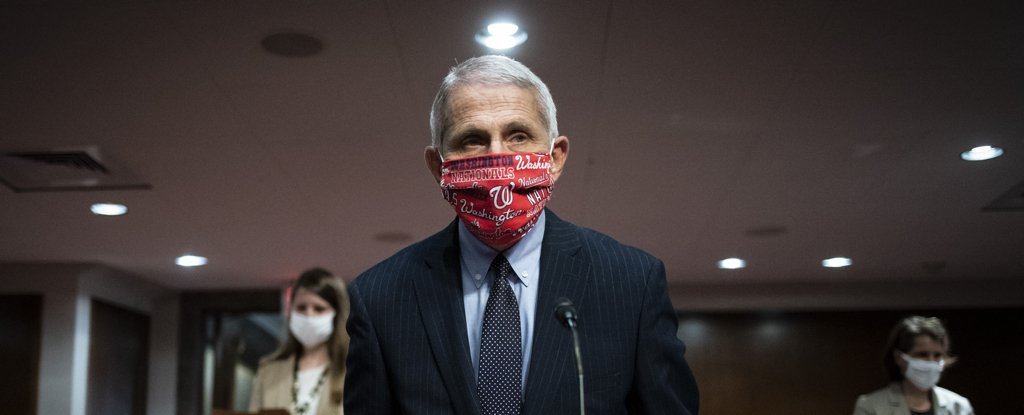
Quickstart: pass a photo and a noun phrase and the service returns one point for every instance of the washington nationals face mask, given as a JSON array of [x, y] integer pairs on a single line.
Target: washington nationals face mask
[[498, 196]]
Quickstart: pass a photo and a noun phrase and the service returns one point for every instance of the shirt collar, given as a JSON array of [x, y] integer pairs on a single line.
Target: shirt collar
[[477, 257]]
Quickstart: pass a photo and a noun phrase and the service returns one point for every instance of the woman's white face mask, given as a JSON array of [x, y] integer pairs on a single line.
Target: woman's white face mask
[[311, 331], [924, 374]]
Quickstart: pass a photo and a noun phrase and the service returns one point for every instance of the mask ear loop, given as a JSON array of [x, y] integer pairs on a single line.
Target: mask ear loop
[[551, 148]]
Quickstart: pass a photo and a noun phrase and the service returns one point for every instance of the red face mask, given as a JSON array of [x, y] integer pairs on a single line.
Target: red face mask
[[498, 196]]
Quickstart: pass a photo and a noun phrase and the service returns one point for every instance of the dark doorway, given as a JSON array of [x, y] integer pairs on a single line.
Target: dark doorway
[[118, 361], [21, 331], [222, 335]]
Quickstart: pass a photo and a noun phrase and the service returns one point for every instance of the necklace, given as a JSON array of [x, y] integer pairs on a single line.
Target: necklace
[[301, 408]]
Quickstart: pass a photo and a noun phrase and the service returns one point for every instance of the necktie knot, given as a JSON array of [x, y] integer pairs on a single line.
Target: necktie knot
[[502, 269]]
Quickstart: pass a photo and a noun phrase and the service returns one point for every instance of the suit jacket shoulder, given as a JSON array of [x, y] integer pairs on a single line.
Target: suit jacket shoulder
[[272, 387], [394, 270], [608, 260], [560, 236]]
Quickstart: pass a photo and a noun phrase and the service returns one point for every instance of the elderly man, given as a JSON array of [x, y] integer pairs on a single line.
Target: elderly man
[[461, 322]]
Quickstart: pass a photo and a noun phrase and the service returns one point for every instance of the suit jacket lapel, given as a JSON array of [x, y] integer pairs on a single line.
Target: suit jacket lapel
[[439, 294], [897, 405], [562, 274]]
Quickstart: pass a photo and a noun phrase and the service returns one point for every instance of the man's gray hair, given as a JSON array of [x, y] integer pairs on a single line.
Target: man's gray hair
[[494, 70]]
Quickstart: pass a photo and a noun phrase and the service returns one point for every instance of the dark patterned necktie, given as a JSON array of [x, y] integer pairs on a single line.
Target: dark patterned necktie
[[501, 356]]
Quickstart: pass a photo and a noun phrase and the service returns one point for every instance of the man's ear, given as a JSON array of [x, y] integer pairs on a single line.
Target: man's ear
[[559, 154], [433, 159]]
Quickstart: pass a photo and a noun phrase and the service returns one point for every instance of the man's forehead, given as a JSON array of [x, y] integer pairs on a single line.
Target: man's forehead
[[473, 91], [465, 101]]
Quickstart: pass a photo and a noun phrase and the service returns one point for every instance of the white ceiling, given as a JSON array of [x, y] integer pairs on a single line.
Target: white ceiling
[[691, 122]]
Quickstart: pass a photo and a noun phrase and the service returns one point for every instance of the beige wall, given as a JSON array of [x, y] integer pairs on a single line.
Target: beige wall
[[63, 363]]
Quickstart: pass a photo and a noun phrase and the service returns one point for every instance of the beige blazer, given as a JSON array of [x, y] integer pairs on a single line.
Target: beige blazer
[[273, 389], [889, 401]]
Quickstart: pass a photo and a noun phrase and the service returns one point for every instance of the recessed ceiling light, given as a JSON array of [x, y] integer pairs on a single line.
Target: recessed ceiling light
[[190, 261], [837, 262], [502, 29], [501, 36], [732, 263], [109, 209], [981, 153]]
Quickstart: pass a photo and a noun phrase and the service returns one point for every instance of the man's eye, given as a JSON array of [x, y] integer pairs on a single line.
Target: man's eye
[[471, 140]]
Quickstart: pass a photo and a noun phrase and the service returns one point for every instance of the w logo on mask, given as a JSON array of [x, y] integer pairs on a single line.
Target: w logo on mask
[[502, 195]]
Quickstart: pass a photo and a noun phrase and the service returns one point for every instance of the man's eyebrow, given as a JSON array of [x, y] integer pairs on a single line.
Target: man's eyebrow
[[520, 125], [466, 129]]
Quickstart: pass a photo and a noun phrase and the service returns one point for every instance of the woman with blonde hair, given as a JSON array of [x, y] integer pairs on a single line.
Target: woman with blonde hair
[[306, 375]]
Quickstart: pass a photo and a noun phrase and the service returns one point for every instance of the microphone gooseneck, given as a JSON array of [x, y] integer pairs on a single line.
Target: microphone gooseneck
[[565, 312]]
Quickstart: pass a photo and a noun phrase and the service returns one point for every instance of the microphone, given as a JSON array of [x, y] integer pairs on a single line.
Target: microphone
[[565, 312]]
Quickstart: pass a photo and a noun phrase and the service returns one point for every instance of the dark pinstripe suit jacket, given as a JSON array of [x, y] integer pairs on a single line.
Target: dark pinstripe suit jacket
[[409, 353]]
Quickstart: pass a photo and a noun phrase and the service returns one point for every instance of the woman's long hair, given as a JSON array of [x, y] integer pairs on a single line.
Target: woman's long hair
[[331, 289]]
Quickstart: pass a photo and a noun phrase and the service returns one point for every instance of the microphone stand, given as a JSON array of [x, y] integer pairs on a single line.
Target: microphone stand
[[579, 359], [566, 313]]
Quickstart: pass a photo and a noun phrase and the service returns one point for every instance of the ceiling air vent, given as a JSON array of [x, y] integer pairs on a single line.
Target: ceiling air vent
[[64, 169], [76, 159], [1012, 200]]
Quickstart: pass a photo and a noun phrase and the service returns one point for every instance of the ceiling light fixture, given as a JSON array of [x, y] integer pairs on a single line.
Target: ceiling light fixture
[[732, 263], [981, 153], [501, 36], [837, 262], [190, 261], [108, 209]]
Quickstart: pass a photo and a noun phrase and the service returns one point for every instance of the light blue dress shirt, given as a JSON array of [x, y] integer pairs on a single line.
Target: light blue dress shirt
[[477, 277]]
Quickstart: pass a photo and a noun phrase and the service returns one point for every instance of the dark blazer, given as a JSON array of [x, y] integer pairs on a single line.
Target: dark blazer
[[409, 354]]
